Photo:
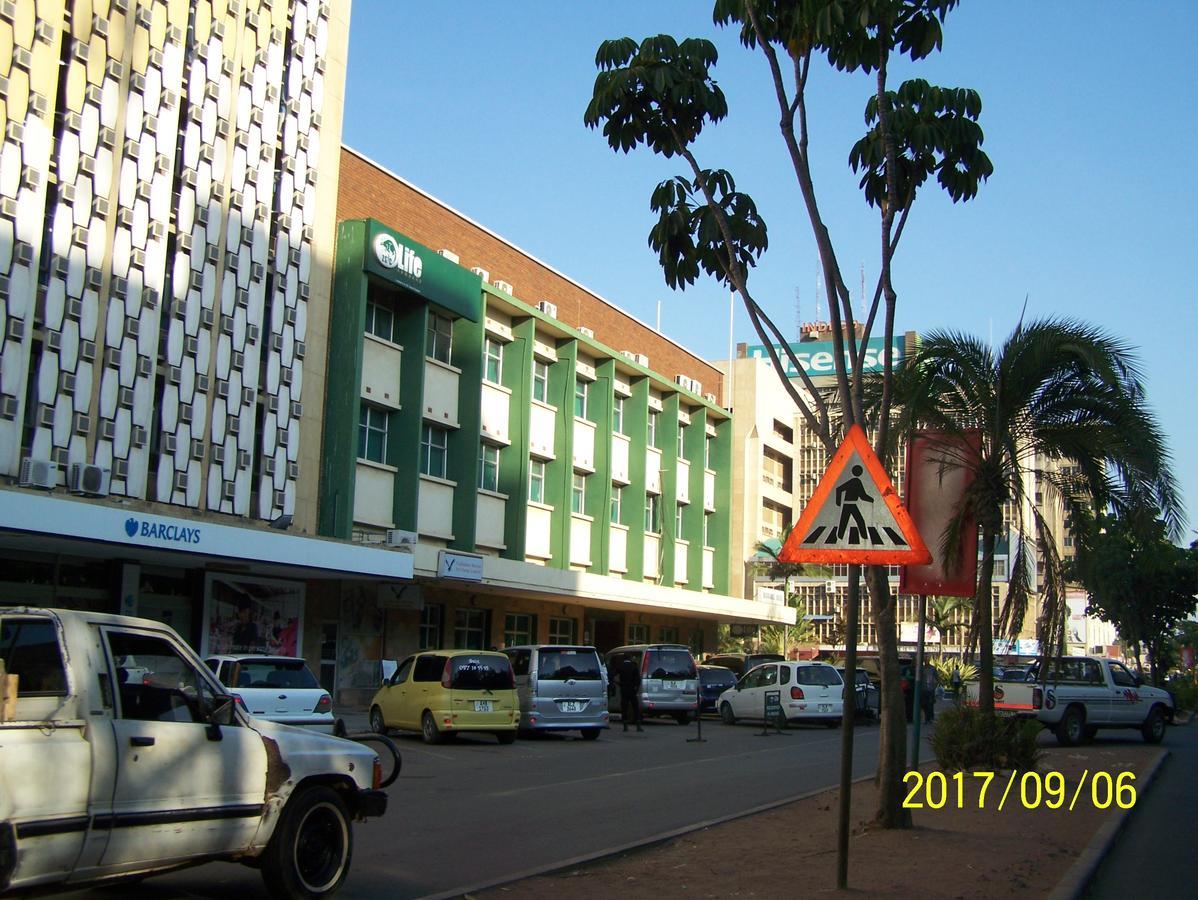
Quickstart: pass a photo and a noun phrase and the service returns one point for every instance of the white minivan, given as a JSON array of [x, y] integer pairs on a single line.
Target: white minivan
[[561, 688], [806, 692]]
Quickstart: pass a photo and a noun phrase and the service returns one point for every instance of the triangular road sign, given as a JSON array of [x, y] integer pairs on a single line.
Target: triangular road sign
[[855, 515]]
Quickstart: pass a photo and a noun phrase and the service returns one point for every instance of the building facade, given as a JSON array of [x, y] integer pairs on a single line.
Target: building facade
[[550, 482]]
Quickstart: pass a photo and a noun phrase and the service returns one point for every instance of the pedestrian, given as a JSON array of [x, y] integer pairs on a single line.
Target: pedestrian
[[927, 696], [629, 675], [956, 681]]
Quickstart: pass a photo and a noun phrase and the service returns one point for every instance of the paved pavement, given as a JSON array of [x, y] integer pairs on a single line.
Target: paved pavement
[[1153, 856]]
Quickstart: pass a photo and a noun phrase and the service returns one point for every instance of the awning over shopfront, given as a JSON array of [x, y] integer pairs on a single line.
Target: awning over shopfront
[[56, 524]]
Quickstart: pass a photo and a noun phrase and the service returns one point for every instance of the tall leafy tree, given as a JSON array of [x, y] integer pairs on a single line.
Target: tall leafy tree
[[1060, 404], [1139, 581], [661, 93]]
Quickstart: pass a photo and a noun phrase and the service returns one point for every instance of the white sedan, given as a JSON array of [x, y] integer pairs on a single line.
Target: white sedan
[[276, 688], [795, 691]]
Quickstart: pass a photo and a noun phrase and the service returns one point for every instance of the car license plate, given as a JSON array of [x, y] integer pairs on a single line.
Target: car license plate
[[482, 705], [674, 685], [572, 706], [825, 707]]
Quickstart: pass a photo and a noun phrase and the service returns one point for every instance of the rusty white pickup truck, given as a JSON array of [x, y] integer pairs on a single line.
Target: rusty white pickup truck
[[121, 756], [1079, 695]]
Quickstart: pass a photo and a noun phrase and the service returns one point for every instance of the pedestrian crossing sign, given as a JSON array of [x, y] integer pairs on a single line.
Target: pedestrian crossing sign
[[855, 515]]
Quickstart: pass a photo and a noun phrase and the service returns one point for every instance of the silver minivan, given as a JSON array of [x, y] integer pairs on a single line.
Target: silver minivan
[[562, 687], [669, 679]]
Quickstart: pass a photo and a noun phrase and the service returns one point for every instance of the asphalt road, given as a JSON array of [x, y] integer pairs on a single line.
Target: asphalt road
[[472, 811]]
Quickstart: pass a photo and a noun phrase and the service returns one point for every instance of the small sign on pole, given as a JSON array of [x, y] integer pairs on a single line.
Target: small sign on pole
[[772, 713]]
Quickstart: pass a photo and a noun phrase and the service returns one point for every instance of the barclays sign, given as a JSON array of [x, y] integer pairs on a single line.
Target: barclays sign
[[161, 531]]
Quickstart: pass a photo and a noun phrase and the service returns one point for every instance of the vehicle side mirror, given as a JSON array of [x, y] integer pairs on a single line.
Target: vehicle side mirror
[[220, 712], [1139, 680]]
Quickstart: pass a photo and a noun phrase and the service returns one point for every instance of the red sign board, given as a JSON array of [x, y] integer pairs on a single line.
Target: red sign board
[[940, 469]]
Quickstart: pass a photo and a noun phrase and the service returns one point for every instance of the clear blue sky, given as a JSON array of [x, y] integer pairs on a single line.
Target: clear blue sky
[[1088, 110]]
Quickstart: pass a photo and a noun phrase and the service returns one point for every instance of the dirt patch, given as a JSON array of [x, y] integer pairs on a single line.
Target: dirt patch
[[975, 851]]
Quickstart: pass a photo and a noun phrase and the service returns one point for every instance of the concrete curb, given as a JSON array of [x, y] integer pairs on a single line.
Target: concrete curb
[[1073, 886], [642, 844]]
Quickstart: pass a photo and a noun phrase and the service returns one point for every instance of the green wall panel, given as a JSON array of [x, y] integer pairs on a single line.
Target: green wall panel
[[513, 460], [464, 443]]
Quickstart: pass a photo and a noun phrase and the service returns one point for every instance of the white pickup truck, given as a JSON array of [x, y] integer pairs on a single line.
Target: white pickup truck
[[111, 772], [1080, 695]]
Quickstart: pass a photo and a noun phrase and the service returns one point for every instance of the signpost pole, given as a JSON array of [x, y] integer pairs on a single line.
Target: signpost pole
[[699, 739], [916, 696], [846, 731]]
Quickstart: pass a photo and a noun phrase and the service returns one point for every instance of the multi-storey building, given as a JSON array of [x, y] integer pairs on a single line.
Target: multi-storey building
[[550, 483]]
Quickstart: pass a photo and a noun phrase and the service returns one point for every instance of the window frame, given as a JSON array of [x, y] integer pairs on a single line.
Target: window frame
[[651, 429], [578, 494], [438, 339], [368, 429], [617, 504], [652, 514], [617, 414], [536, 477], [374, 310], [487, 465], [582, 392], [493, 358], [558, 636], [428, 431], [540, 377]]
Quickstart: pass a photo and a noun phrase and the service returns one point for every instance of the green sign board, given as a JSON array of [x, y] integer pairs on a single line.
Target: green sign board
[[773, 706], [399, 260]]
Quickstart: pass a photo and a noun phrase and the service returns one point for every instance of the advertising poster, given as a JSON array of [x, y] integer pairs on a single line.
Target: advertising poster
[[252, 615]]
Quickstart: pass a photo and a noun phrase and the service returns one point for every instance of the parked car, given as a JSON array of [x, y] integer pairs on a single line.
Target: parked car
[[442, 693], [276, 688], [106, 777], [1015, 673], [864, 691], [808, 692], [739, 663], [560, 688], [669, 679], [713, 681]]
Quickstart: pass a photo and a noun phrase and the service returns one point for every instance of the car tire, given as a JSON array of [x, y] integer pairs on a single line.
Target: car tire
[[726, 714], [682, 718], [591, 734], [429, 730], [505, 737], [1071, 730], [310, 851], [1153, 728], [1091, 732], [377, 723], [833, 723]]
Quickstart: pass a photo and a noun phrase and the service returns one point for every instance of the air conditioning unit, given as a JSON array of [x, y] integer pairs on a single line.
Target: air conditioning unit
[[482, 273], [629, 354], [89, 480], [710, 398], [641, 360], [696, 386], [683, 381], [403, 540], [549, 309], [504, 286], [589, 332], [449, 255], [38, 473]]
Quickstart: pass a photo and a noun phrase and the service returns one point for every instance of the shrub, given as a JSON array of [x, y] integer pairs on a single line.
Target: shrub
[[968, 739], [1185, 693]]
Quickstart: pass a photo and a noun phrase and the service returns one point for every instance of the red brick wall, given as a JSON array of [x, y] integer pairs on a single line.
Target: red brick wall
[[368, 192]]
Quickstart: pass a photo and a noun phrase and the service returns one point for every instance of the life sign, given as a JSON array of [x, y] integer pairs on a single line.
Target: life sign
[[855, 515]]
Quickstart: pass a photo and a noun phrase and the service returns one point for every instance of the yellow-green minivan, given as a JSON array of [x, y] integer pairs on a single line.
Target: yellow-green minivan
[[443, 692]]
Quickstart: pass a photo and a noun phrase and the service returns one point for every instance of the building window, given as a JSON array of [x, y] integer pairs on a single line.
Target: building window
[[678, 520], [440, 337], [563, 631], [653, 416], [430, 626], [617, 414], [638, 634], [433, 443], [380, 321], [518, 629], [578, 494], [617, 504], [652, 514], [580, 398], [707, 453], [681, 440], [706, 530], [669, 634], [372, 433], [540, 381], [488, 467], [493, 362], [536, 481], [469, 629]]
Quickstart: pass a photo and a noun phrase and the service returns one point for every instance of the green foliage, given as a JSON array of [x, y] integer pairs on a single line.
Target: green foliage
[[945, 666], [966, 738], [1185, 693]]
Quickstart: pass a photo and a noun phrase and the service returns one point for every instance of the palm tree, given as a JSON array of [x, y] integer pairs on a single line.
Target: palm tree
[[942, 614], [1060, 402]]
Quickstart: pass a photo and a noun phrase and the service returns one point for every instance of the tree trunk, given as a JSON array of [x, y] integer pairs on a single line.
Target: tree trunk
[[984, 607], [892, 753]]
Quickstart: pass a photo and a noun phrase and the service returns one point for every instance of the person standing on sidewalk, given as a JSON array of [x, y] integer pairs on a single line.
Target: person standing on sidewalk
[[629, 676], [927, 694]]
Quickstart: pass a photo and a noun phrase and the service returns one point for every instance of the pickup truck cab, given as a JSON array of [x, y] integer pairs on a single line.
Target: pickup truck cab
[[110, 770], [1078, 695]]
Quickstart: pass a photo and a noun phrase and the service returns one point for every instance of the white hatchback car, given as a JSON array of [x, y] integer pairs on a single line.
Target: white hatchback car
[[276, 688], [804, 692]]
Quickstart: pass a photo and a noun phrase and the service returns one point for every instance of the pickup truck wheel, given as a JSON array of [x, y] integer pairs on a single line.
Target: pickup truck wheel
[[1153, 728], [309, 853], [429, 730], [1072, 727], [590, 734], [726, 714], [1091, 732], [377, 724]]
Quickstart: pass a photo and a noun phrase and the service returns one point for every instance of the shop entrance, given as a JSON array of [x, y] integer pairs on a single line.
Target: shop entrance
[[607, 633]]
